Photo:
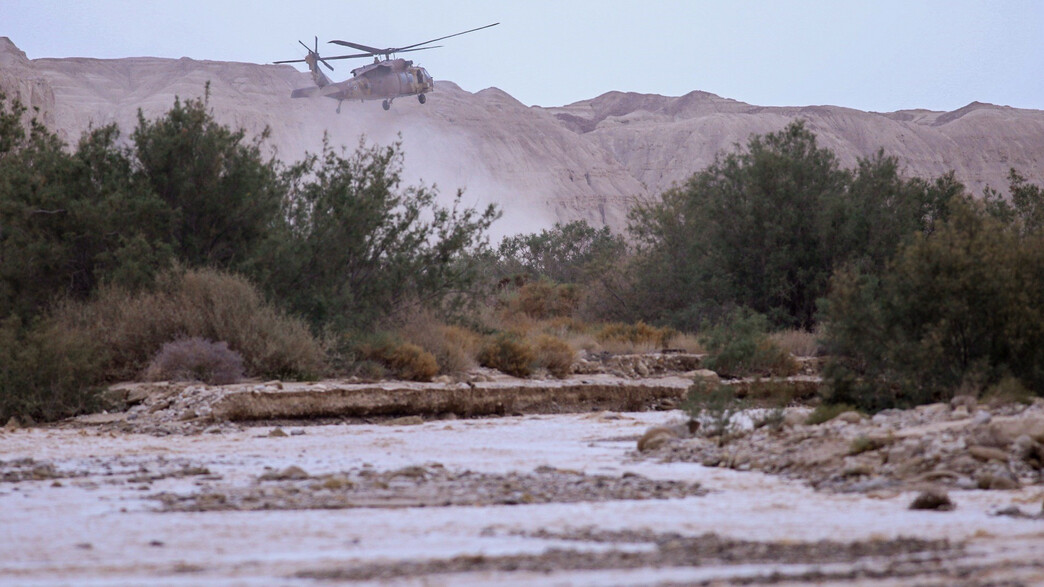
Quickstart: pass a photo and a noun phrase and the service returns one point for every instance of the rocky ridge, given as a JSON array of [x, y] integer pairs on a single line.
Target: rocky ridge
[[588, 160]]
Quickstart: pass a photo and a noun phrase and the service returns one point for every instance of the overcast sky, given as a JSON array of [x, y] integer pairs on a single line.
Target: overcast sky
[[878, 55]]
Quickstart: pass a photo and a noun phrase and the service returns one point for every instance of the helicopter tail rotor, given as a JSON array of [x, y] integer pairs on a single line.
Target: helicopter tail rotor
[[312, 58]]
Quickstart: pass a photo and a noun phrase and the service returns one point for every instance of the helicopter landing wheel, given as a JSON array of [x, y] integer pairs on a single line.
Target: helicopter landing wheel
[[338, 107], [386, 105], [422, 98]]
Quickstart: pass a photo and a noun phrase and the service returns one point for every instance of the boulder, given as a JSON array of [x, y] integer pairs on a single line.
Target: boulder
[[1007, 429], [655, 438]]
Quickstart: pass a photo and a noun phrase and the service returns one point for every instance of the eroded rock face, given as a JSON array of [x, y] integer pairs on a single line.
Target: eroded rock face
[[590, 160], [662, 140]]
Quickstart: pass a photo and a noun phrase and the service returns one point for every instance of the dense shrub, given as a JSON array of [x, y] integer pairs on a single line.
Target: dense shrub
[[960, 307], [220, 195], [765, 229], [70, 220], [335, 239], [196, 359], [740, 347], [508, 353], [204, 303], [357, 246], [47, 372], [567, 253]]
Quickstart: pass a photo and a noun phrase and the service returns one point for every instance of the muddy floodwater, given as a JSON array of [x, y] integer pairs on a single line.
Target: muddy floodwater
[[517, 500]]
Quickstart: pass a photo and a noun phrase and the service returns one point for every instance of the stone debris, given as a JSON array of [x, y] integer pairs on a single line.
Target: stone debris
[[895, 449], [638, 366], [906, 558], [163, 408], [422, 486]]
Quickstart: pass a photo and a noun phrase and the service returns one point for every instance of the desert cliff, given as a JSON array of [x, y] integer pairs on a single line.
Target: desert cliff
[[588, 160]]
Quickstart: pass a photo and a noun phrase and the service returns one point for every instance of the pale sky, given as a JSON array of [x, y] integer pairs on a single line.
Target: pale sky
[[877, 55]]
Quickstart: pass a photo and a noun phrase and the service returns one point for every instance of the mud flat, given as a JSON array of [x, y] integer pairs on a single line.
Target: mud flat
[[536, 499]]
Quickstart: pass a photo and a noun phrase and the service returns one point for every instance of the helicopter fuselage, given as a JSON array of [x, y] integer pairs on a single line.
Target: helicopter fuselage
[[382, 80]]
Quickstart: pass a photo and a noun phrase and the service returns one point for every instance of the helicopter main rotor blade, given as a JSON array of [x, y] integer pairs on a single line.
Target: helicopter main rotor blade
[[401, 49], [370, 50], [291, 61], [353, 56], [361, 55]]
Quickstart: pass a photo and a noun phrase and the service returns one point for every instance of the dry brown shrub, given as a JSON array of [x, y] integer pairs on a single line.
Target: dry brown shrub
[[202, 303], [411, 362], [454, 347], [689, 343], [196, 359], [638, 337], [582, 341], [543, 299], [405, 360], [554, 354], [800, 343], [508, 353]]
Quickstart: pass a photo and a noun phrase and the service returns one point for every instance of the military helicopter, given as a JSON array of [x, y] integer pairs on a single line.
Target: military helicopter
[[384, 79]]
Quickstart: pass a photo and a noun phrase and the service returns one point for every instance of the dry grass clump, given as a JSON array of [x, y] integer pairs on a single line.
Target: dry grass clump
[[687, 342], [618, 337], [554, 354], [508, 353], [827, 412], [800, 343], [196, 359], [404, 360], [1008, 390], [133, 326]]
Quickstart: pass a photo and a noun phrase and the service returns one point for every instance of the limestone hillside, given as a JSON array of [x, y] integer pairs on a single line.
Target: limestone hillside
[[589, 160]]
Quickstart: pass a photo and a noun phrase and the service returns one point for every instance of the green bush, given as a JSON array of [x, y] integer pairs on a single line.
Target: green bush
[[572, 253], [508, 353], [714, 406], [356, 246], [739, 347], [765, 229], [48, 373], [960, 308]]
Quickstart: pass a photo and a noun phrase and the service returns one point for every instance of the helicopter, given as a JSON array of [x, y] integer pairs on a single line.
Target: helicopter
[[384, 79]]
